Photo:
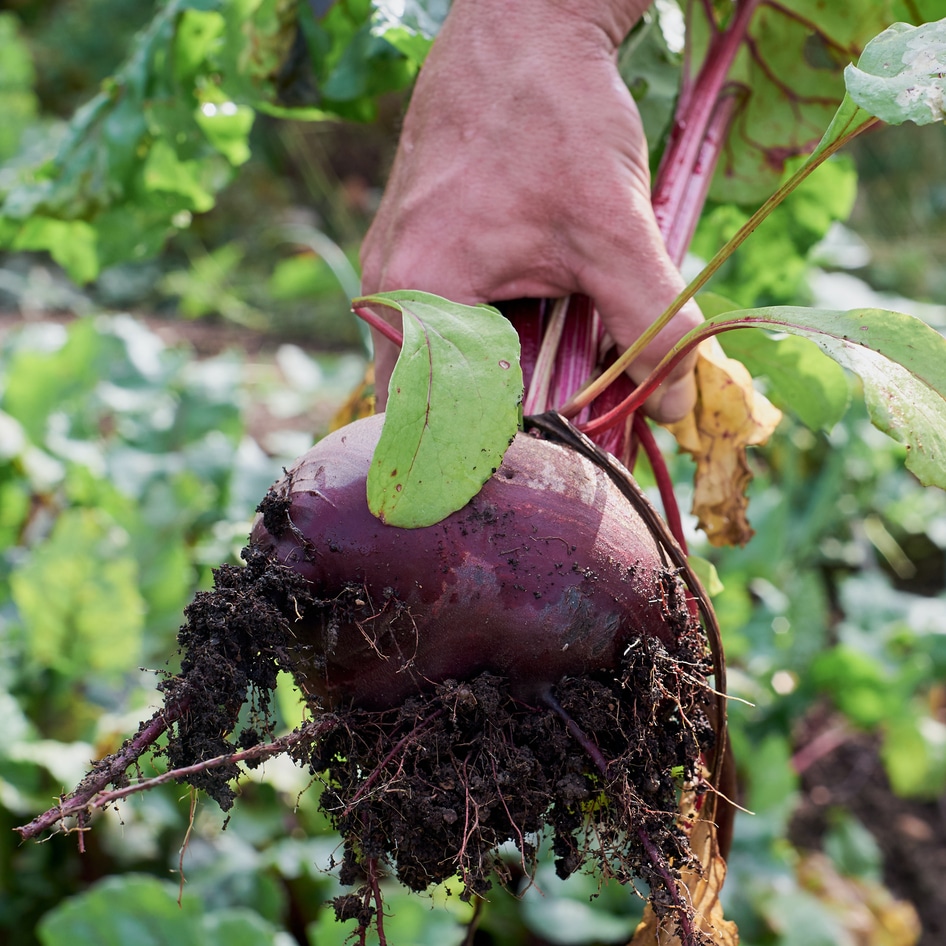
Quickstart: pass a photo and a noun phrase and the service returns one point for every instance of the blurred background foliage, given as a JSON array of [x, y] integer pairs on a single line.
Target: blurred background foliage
[[168, 345]]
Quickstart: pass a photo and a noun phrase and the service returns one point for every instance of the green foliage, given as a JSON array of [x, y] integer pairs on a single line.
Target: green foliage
[[900, 360], [126, 472], [900, 76], [788, 82], [771, 267], [169, 129], [133, 909], [453, 408], [17, 102]]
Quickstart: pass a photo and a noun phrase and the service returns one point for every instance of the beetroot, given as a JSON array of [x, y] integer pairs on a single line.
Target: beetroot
[[531, 663], [530, 667], [547, 572]]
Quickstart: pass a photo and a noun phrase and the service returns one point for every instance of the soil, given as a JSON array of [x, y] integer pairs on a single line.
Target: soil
[[911, 834], [431, 789]]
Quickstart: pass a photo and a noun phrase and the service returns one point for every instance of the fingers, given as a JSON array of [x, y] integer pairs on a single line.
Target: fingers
[[631, 289]]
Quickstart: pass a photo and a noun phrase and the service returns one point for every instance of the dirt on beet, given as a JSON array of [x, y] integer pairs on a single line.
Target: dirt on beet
[[434, 788]]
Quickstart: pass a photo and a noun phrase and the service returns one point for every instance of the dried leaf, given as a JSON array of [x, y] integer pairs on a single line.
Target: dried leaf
[[360, 402], [729, 416], [700, 887]]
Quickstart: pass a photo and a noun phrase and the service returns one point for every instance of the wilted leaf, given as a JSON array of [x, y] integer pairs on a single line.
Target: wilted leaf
[[360, 402], [729, 416], [453, 408], [900, 360], [702, 890], [800, 378]]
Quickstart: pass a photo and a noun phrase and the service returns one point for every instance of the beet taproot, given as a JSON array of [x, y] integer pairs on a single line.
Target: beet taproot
[[547, 572], [532, 666]]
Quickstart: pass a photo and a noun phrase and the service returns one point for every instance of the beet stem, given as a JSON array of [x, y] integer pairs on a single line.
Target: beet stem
[[664, 484], [388, 331]]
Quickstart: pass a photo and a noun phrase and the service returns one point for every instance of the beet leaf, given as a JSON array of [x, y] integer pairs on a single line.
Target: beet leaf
[[900, 75], [453, 408], [900, 360]]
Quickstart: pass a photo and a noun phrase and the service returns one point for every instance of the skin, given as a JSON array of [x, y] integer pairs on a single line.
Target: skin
[[522, 171]]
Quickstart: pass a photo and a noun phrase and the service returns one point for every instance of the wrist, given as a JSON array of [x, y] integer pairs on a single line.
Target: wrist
[[611, 20]]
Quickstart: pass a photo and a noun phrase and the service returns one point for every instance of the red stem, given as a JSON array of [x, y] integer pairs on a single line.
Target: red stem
[[691, 122], [635, 400], [662, 475], [376, 322], [697, 185]]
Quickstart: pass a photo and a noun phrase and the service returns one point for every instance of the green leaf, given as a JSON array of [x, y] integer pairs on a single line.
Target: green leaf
[[18, 104], [900, 360], [79, 599], [901, 75], [705, 570], [145, 911], [789, 81], [453, 408], [852, 847], [771, 268], [410, 26], [800, 377], [163, 135], [914, 754], [858, 684]]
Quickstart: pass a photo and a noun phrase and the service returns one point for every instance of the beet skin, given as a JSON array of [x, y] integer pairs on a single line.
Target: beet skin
[[546, 573]]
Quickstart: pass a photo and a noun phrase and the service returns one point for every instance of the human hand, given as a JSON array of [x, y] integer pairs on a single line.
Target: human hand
[[522, 171]]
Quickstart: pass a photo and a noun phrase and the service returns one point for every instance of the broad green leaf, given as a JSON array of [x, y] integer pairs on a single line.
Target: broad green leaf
[[800, 378], [141, 910], [852, 847], [901, 75], [410, 26], [858, 684], [453, 408], [163, 135], [900, 360], [914, 754], [705, 570], [18, 104], [651, 72], [789, 82], [79, 599], [772, 266]]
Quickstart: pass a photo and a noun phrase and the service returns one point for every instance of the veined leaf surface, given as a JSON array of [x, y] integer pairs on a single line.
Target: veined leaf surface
[[900, 360], [453, 408]]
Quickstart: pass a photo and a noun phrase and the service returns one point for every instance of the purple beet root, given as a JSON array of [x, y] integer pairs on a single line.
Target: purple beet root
[[547, 572]]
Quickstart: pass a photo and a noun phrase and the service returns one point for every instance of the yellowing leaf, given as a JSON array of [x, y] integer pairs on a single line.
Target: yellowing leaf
[[700, 888], [360, 402], [729, 416]]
